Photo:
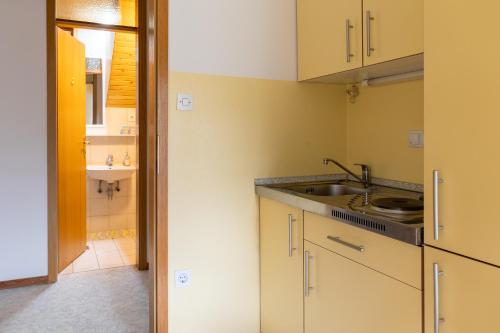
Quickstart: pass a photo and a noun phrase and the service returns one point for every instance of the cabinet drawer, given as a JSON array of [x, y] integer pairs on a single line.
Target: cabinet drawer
[[389, 256], [346, 297]]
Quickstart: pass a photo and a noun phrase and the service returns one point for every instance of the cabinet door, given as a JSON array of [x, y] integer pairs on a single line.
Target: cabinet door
[[392, 29], [327, 44], [347, 297], [281, 248], [468, 290], [462, 117]]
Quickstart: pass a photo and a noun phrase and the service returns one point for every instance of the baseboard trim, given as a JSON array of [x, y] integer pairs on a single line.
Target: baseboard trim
[[23, 282]]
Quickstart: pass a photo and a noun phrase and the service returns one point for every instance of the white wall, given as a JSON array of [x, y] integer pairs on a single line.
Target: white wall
[[249, 38], [23, 185]]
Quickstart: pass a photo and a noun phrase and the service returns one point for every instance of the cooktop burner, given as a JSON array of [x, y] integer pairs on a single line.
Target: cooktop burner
[[398, 205]]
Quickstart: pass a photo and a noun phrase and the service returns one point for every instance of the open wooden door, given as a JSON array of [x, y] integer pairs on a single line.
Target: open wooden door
[[71, 162]]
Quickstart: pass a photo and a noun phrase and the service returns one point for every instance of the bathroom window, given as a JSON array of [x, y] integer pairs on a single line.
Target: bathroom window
[[117, 12]]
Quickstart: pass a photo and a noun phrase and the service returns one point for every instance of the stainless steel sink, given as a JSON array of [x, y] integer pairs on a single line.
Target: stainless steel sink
[[327, 189]]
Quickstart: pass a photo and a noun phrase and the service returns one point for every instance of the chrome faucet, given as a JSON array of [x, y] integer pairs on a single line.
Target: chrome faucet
[[366, 178], [109, 160]]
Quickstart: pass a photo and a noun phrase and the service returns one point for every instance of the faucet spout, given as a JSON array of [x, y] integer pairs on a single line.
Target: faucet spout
[[366, 178]]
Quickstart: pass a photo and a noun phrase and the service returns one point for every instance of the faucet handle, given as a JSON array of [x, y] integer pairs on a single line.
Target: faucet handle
[[366, 171], [363, 166]]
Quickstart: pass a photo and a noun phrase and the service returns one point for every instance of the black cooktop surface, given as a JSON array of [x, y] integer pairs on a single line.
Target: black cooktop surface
[[399, 204]]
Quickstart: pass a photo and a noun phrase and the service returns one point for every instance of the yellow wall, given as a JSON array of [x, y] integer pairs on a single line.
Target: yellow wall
[[377, 129], [240, 129]]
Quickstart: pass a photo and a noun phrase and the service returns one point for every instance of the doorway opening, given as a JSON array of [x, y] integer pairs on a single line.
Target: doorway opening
[[150, 24], [97, 149]]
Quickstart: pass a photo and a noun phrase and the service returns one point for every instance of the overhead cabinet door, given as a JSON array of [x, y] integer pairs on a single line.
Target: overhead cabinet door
[[281, 251], [329, 37], [462, 119], [344, 296], [392, 29], [466, 292]]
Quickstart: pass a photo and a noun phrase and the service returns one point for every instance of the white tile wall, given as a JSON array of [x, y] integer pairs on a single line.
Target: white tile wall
[[116, 214], [120, 212], [102, 146]]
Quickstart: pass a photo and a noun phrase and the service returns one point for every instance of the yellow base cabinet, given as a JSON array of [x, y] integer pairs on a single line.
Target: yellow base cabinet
[[392, 29], [329, 37], [281, 249], [467, 294], [344, 296]]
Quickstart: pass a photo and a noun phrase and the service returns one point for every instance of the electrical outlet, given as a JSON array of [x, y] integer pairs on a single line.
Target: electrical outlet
[[183, 278]]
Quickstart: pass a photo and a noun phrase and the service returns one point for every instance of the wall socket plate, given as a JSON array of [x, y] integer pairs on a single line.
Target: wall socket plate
[[131, 115], [183, 278], [416, 139], [184, 102]]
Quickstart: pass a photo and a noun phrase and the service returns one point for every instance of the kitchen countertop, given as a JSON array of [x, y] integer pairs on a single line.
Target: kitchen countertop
[[351, 208]]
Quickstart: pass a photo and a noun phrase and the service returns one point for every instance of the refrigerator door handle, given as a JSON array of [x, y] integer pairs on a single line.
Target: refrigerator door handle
[[435, 207]]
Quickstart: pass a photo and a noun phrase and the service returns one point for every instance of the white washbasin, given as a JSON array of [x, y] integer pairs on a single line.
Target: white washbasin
[[110, 174]]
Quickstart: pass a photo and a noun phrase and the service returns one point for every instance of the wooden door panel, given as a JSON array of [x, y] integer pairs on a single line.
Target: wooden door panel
[[322, 36], [71, 149], [350, 298], [469, 294], [461, 126], [281, 273]]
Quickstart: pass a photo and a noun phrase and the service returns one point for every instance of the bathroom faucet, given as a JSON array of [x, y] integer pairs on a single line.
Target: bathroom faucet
[[109, 160], [366, 179]]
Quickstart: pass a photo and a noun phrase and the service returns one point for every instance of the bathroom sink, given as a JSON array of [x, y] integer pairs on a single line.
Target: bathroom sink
[[110, 174], [327, 189]]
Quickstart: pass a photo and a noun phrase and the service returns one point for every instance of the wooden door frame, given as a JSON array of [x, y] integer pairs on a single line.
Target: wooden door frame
[[153, 141]]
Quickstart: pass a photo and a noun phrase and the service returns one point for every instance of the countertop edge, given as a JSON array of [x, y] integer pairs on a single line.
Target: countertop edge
[[402, 185]]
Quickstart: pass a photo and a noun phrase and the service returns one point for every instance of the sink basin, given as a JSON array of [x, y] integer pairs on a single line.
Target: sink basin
[[327, 189], [110, 174]]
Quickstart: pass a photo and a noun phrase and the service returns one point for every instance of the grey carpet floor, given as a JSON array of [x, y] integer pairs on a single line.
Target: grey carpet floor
[[113, 300]]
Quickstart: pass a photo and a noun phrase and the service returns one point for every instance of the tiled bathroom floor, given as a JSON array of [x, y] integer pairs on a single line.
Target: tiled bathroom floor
[[106, 253]]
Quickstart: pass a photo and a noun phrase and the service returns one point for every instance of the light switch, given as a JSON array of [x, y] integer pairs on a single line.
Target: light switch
[[416, 139], [184, 102]]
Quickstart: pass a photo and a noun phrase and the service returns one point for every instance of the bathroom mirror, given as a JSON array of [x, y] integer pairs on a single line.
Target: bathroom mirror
[[99, 46], [94, 100]]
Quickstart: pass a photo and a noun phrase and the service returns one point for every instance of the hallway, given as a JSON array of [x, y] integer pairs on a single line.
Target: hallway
[[110, 300]]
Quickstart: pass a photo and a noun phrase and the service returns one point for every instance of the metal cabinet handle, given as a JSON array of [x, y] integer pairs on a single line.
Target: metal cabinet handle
[[348, 27], [290, 235], [369, 19], [435, 207], [359, 248], [437, 317], [307, 258]]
